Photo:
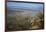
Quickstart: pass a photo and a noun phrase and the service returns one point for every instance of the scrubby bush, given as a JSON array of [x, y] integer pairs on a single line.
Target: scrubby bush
[[19, 23], [38, 22]]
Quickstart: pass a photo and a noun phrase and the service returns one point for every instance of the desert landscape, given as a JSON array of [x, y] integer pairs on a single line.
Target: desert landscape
[[24, 16]]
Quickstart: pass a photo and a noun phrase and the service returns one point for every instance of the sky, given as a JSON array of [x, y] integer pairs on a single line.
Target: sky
[[28, 0], [28, 8], [24, 6]]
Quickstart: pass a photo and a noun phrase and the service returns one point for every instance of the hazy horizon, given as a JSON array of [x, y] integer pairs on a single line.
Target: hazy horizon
[[24, 8]]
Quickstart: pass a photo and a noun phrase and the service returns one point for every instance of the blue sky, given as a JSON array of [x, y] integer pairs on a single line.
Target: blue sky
[[28, 6]]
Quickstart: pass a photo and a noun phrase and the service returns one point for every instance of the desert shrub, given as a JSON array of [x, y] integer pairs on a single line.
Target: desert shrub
[[19, 22], [38, 21], [41, 17]]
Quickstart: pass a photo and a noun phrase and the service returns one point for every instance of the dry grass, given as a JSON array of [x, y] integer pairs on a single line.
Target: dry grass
[[24, 23]]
